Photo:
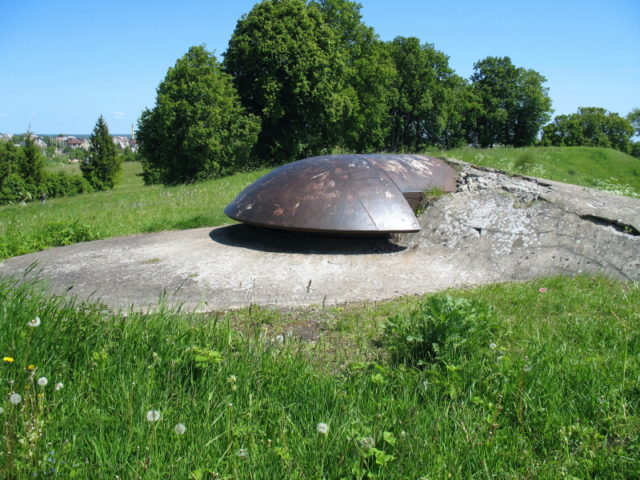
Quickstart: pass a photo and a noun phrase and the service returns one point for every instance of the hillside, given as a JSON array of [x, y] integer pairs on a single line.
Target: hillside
[[596, 167], [134, 208]]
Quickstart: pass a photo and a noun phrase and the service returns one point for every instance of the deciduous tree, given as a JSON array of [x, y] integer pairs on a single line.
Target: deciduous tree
[[514, 103], [198, 129], [289, 70], [590, 126]]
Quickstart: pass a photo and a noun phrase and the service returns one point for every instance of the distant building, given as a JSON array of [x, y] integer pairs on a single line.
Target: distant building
[[74, 143]]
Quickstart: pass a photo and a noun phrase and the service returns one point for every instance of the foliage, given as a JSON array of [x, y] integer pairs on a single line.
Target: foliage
[[440, 330], [197, 129], [514, 104], [370, 74], [103, 165], [591, 126], [31, 164], [289, 70], [555, 392], [634, 119], [426, 108]]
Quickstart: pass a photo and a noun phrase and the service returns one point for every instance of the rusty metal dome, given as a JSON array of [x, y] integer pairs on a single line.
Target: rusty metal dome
[[351, 194]]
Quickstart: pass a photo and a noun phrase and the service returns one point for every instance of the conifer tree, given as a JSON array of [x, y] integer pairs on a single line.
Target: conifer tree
[[31, 163], [102, 167]]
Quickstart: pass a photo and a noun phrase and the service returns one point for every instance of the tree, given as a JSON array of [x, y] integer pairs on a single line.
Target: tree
[[370, 74], [634, 119], [103, 165], [197, 129], [289, 70], [590, 126], [31, 165], [427, 103], [514, 103]]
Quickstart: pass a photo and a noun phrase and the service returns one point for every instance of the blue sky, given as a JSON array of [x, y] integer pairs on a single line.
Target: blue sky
[[64, 63]]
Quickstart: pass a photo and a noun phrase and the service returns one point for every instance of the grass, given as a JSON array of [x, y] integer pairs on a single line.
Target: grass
[[129, 209], [133, 208], [595, 167], [551, 391]]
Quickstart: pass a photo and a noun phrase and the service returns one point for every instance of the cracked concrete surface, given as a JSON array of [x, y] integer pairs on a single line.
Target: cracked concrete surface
[[495, 228]]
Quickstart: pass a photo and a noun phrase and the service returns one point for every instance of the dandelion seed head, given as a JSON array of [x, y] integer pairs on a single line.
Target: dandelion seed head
[[153, 415], [322, 428], [180, 429], [278, 339], [367, 442], [35, 322], [493, 346], [527, 368], [15, 398], [59, 386], [43, 381], [243, 453]]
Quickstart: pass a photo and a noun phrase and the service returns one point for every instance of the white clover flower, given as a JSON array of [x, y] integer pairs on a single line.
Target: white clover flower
[[493, 346], [59, 386], [180, 429], [322, 428], [35, 322], [15, 398], [153, 415], [42, 381]]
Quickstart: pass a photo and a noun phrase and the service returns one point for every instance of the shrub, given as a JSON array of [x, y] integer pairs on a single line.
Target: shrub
[[15, 189], [440, 330]]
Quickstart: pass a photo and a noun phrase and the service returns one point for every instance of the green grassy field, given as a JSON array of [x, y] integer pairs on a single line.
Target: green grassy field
[[129, 209], [521, 384], [133, 208], [530, 380]]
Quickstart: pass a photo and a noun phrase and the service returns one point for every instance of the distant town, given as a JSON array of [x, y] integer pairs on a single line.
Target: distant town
[[72, 148]]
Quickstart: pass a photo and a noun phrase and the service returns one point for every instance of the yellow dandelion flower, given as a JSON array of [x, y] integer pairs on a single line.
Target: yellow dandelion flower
[[31, 367], [7, 359]]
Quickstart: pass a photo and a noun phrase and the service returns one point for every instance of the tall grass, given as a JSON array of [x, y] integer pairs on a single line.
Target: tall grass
[[551, 389]]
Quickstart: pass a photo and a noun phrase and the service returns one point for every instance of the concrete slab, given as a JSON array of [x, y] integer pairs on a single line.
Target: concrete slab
[[494, 228]]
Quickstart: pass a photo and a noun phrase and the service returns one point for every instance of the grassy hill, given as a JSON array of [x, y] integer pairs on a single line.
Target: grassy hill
[[595, 167], [531, 380], [135, 208]]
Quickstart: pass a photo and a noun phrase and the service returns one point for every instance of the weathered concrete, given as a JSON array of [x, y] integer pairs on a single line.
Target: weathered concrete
[[494, 228]]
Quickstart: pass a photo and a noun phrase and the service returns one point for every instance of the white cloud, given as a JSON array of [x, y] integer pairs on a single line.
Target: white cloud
[[118, 114]]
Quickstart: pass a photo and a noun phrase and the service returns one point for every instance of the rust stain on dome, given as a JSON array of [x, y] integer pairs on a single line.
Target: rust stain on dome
[[351, 194]]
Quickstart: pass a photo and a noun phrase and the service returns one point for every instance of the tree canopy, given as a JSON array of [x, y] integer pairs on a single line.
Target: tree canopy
[[102, 167], [198, 129], [590, 126], [290, 71], [514, 103]]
